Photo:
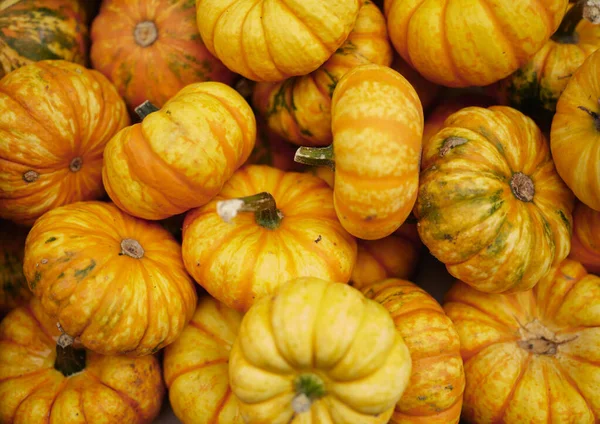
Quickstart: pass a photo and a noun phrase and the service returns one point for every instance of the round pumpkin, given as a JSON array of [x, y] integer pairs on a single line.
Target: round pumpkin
[[585, 244], [435, 390], [299, 108], [575, 133], [200, 358], [428, 92], [460, 43], [292, 232], [491, 206], [330, 347], [46, 380], [179, 157], [115, 282], [531, 357], [13, 286], [151, 50], [377, 125], [268, 40], [55, 118], [34, 30]]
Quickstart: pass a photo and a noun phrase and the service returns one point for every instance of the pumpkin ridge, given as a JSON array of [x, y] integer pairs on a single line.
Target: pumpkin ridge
[[182, 371], [579, 358], [565, 375], [523, 368], [220, 405], [27, 374], [243, 55], [33, 392], [246, 286], [310, 30], [133, 404], [446, 44], [493, 19], [210, 334], [406, 56]]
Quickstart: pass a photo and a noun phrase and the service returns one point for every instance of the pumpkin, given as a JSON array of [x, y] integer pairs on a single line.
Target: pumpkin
[[576, 131], [13, 286], [491, 206], [377, 125], [330, 347], [540, 82], [115, 282], [56, 118], [585, 244], [470, 43], [428, 92], [531, 357], [293, 232], [45, 378], [179, 157], [299, 108], [34, 30], [435, 390], [200, 358], [150, 51], [270, 41], [271, 149]]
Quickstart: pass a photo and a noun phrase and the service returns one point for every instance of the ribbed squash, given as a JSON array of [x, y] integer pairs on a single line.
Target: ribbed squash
[[299, 109], [585, 244], [269, 40], [13, 286], [55, 119]]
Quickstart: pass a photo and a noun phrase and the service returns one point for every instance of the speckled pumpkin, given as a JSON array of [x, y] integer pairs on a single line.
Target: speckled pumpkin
[[330, 347], [299, 109], [13, 286], [585, 244], [151, 50], [196, 366], [534, 356], [42, 382], [269, 40], [491, 205], [115, 282], [55, 118]]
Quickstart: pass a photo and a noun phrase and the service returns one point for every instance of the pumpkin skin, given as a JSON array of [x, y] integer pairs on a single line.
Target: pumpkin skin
[[35, 30], [435, 390], [240, 261], [81, 262], [531, 357], [428, 92], [329, 340], [491, 206], [115, 389], [267, 40], [179, 157], [299, 109], [470, 44], [575, 134], [13, 286], [56, 118], [377, 125], [150, 51], [585, 244]]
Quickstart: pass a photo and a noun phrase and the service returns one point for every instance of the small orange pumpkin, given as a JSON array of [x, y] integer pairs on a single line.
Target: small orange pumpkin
[[585, 244]]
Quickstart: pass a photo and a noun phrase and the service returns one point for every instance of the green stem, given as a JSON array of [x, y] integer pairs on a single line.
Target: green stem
[[565, 33], [262, 204], [69, 360], [145, 109], [316, 156], [308, 387]]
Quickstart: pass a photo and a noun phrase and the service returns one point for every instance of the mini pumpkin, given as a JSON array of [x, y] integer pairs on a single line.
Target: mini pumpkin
[[435, 390], [585, 244], [531, 357], [575, 133], [377, 125], [292, 232], [179, 157], [270, 41], [56, 118], [115, 282], [151, 50], [330, 347], [48, 378], [13, 286], [200, 358], [491, 205], [470, 44], [299, 109]]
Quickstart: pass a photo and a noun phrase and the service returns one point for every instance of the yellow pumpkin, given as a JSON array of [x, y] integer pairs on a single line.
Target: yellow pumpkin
[[45, 378], [585, 244], [115, 282], [435, 390], [268, 40], [332, 356], [533, 356], [196, 366], [292, 232]]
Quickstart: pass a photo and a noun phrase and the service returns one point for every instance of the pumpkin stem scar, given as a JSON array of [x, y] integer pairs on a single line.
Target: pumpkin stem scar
[[132, 248], [76, 164], [315, 156], [262, 204], [450, 143], [522, 187], [591, 11], [308, 387], [538, 339], [30, 176], [145, 109], [593, 114], [565, 34], [145, 33], [68, 360]]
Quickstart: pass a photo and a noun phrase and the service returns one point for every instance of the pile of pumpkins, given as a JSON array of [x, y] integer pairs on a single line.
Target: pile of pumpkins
[[226, 199]]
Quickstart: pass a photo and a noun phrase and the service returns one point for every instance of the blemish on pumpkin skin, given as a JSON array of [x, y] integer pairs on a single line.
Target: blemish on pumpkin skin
[[50, 240], [82, 273], [421, 398], [318, 239], [36, 279]]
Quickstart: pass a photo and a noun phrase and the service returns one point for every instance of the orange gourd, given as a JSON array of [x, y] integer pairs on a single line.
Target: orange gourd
[[585, 244]]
